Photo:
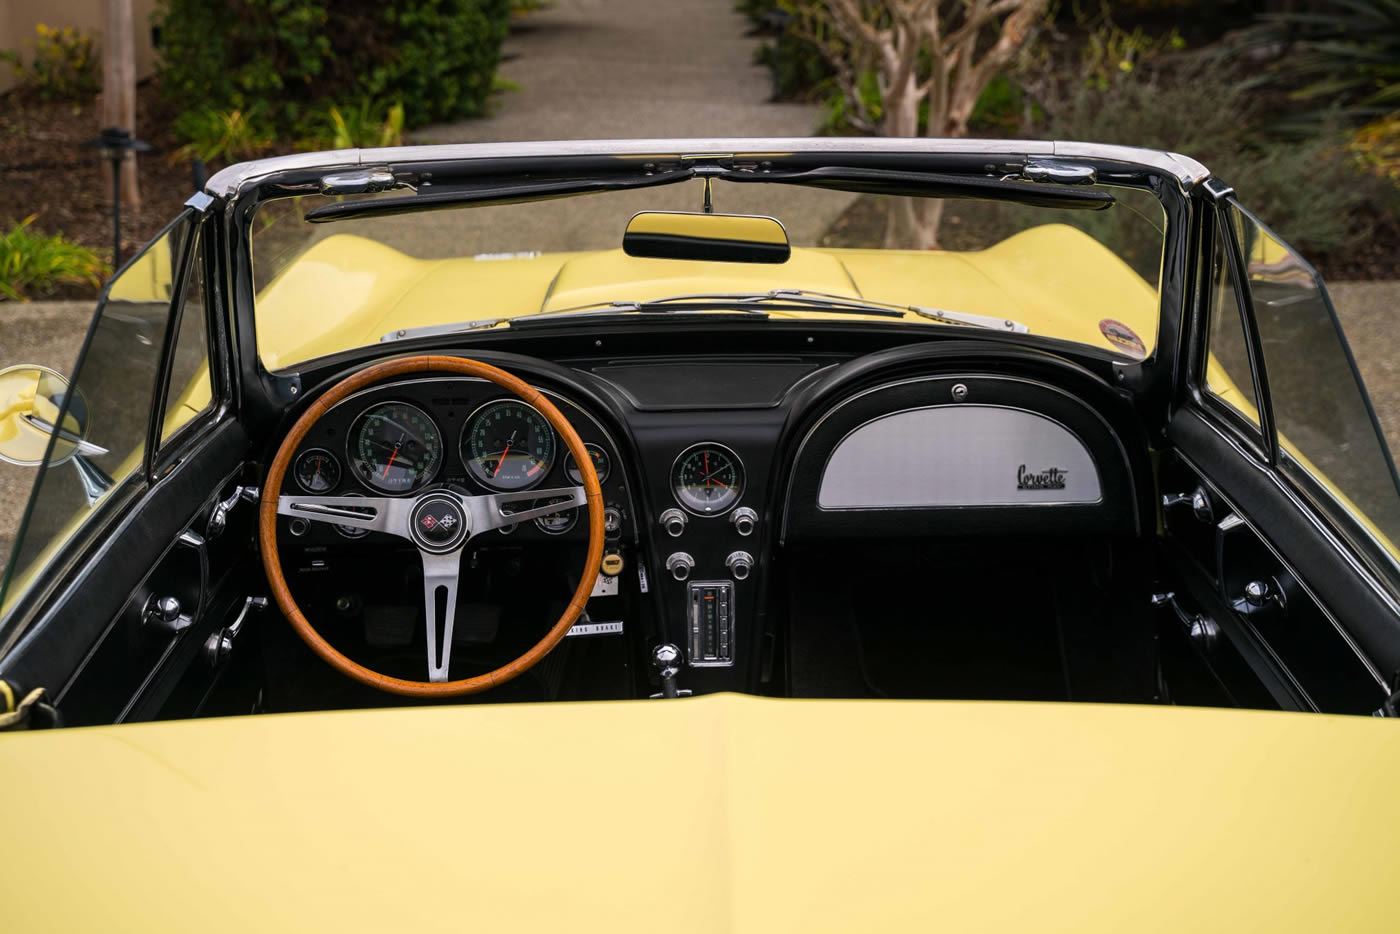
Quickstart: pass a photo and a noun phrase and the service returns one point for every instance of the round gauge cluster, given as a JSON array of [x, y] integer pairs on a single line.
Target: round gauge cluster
[[395, 447], [602, 466], [707, 479], [508, 445], [317, 471]]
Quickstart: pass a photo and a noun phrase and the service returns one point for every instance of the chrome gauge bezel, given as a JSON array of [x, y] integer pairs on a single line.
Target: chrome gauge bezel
[[590, 446], [352, 439], [296, 472], [738, 463], [464, 453]]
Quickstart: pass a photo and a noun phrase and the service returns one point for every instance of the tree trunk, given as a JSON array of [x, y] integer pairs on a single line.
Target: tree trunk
[[119, 88]]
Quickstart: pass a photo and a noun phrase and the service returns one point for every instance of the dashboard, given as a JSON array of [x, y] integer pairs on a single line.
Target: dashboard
[[712, 466]]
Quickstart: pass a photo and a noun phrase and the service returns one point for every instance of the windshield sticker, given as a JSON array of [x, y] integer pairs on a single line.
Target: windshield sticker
[[1123, 337]]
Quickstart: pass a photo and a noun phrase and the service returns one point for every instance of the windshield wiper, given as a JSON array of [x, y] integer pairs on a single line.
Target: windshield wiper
[[748, 304]]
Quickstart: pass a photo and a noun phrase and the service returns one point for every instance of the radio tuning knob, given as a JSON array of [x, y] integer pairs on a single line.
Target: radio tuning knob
[[680, 565], [744, 520], [673, 521]]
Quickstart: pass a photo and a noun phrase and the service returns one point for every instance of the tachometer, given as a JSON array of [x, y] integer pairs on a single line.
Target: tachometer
[[508, 445], [395, 447], [708, 479]]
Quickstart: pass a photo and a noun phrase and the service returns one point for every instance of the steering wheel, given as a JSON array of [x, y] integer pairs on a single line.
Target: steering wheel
[[439, 521]]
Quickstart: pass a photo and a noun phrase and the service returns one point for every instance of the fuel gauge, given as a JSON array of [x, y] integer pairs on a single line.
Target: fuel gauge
[[317, 471]]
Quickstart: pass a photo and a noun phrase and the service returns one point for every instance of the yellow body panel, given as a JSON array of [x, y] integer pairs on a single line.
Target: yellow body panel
[[347, 291], [722, 813]]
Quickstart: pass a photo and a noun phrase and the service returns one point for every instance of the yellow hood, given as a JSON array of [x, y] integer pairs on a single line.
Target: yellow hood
[[347, 291], [722, 813]]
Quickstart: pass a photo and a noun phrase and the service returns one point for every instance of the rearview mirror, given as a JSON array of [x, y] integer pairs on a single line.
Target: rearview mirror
[[31, 398], [723, 238]]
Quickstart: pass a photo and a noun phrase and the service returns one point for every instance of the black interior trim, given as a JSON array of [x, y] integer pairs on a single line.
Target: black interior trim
[[88, 599], [1357, 600]]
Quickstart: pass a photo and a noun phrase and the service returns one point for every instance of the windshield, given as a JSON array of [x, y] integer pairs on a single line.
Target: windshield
[[1086, 276]]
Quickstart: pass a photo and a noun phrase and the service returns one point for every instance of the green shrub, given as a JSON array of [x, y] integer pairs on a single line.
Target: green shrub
[[64, 66], [363, 127], [230, 135], [1310, 191], [291, 59], [33, 264], [1342, 57]]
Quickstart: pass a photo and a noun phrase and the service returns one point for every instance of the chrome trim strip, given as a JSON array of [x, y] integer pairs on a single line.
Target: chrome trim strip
[[230, 182]]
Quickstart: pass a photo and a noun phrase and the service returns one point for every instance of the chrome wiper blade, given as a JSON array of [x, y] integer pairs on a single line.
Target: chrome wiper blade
[[711, 303], [594, 310], [828, 301]]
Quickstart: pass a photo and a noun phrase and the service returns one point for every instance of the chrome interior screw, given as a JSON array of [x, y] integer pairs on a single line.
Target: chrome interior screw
[[959, 392]]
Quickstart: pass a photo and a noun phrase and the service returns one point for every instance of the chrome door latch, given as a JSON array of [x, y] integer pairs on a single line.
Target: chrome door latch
[[218, 516], [166, 614], [219, 646]]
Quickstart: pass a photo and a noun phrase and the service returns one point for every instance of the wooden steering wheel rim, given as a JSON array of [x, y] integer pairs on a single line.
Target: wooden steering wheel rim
[[272, 486]]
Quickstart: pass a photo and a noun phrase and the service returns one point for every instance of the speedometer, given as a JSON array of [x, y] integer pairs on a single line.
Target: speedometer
[[395, 447], [508, 445]]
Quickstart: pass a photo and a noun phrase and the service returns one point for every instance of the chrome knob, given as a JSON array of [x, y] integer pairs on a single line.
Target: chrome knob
[[164, 613], [744, 520], [680, 565], [740, 564], [673, 521], [1256, 593]]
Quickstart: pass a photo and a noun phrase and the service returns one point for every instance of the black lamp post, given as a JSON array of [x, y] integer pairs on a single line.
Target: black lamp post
[[113, 145]]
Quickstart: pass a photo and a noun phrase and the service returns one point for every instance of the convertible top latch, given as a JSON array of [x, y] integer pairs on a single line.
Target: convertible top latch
[[1059, 173]]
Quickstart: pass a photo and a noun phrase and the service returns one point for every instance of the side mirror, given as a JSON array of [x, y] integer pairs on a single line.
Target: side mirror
[[723, 238], [31, 398]]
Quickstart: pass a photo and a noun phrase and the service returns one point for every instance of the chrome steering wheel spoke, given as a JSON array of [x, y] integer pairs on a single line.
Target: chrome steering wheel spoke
[[489, 512], [440, 573], [374, 513]]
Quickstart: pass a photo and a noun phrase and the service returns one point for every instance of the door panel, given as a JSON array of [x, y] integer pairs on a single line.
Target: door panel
[[1337, 632]]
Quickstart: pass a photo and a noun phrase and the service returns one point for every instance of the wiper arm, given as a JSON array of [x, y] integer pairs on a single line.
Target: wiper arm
[[720, 303], [828, 301], [594, 310]]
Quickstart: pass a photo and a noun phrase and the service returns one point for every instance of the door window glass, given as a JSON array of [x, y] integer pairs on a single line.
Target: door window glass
[[1229, 376], [1329, 439], [107, 405], [190, 393]]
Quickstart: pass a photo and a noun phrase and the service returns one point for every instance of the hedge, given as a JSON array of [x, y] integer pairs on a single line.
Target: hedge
[[289, 59]]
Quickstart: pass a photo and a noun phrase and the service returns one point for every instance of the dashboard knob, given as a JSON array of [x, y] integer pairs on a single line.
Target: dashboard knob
[[673, 521], [740, 564], [744, 520], [612, 520], [680, 565]]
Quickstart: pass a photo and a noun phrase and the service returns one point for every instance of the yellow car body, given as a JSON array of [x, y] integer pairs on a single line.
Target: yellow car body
[[718, 813], [721, 813]]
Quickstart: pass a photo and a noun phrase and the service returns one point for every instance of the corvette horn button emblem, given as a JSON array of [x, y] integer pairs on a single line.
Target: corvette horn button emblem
[[438, 522]]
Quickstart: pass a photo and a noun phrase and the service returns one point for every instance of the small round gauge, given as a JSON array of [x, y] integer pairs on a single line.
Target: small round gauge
[[395, 447], [708, 479], [602, 466], [317, 471], [560, 522], [508, 445]]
